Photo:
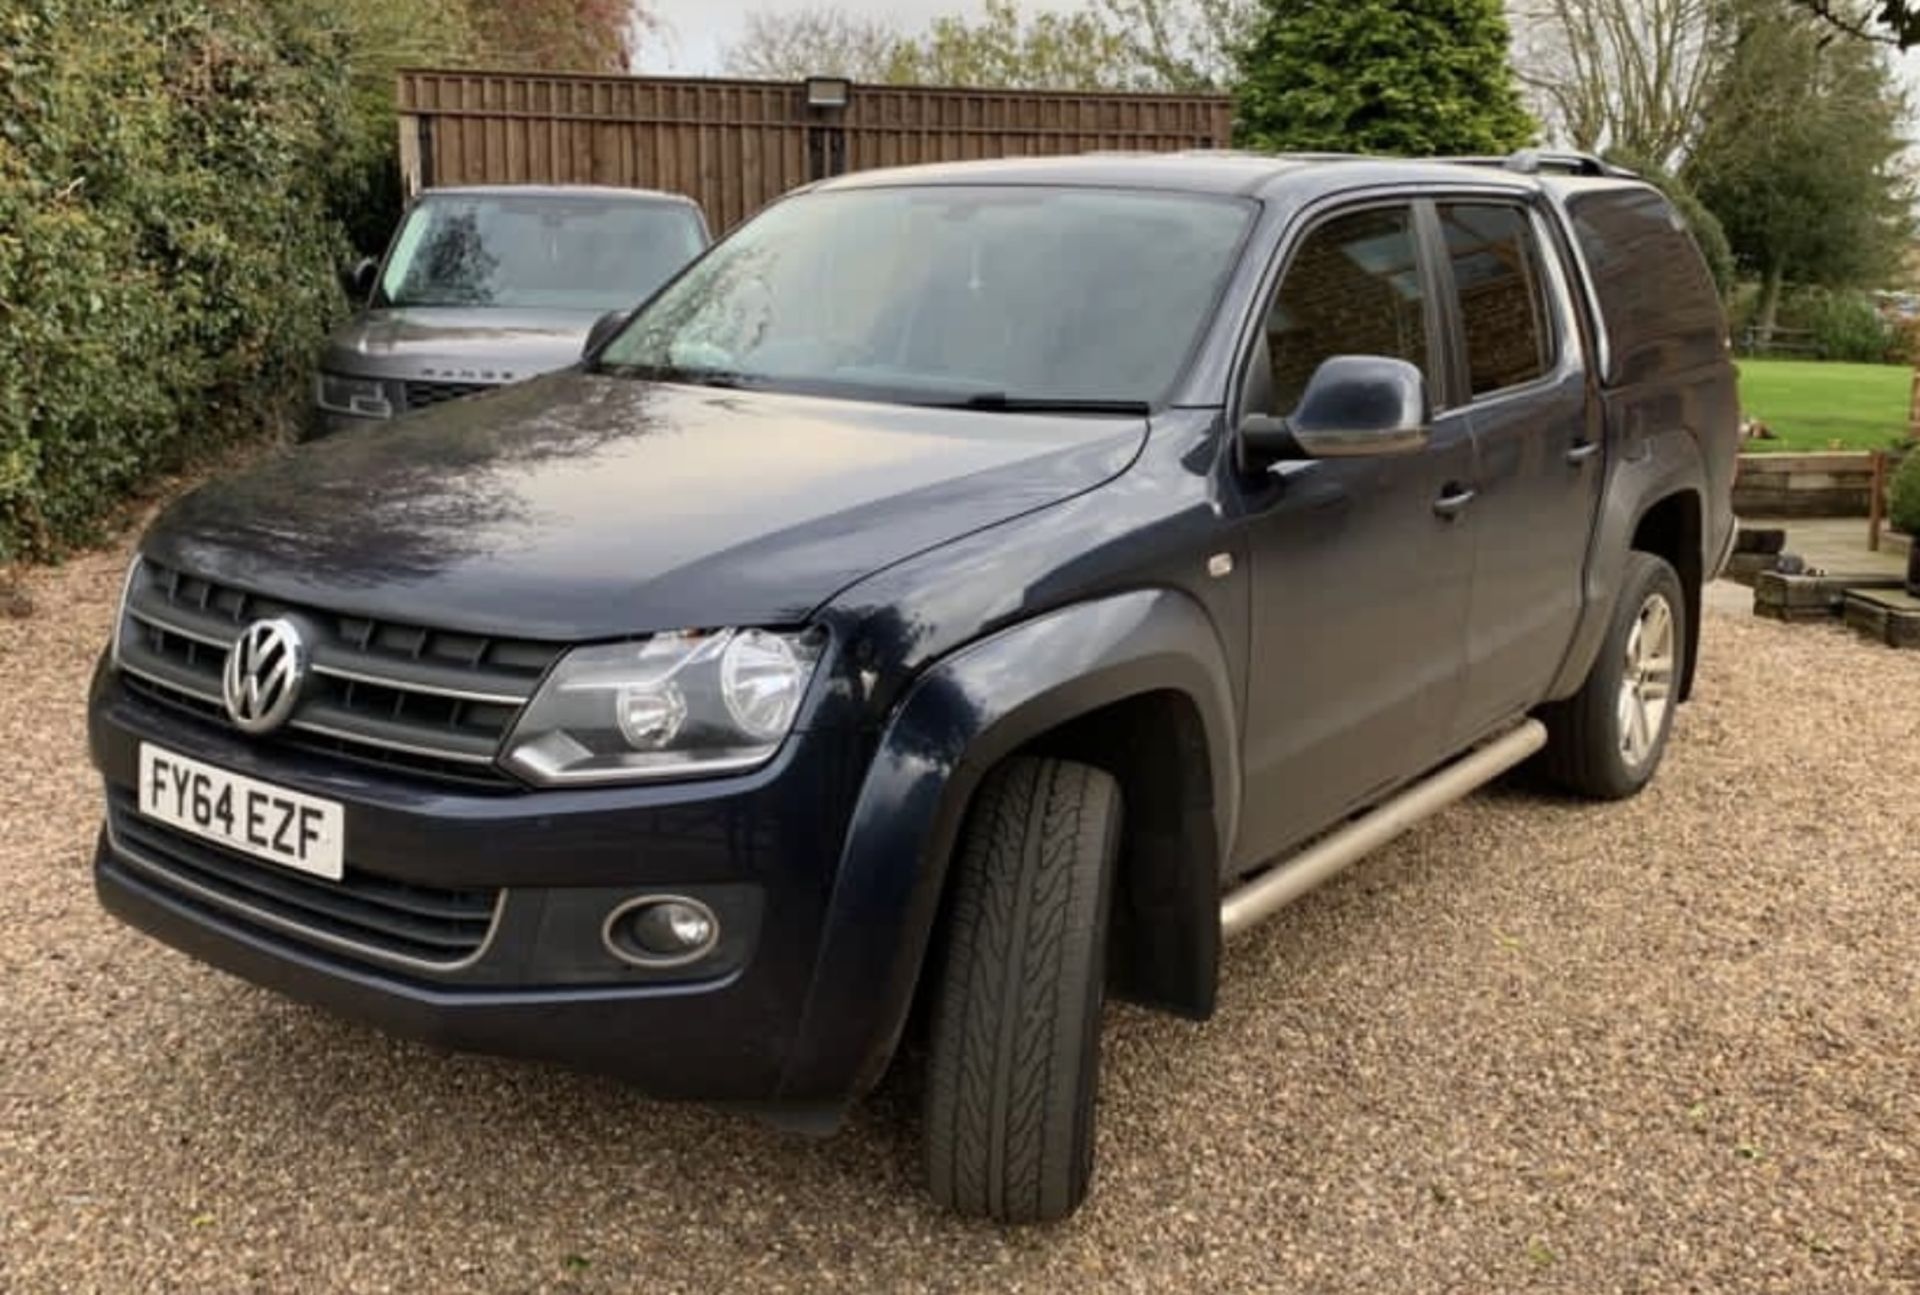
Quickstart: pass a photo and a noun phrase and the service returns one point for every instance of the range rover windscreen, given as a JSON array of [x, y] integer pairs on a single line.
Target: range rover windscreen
[[538, 252]]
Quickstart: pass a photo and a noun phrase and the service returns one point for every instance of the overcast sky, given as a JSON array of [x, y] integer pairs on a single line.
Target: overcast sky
[[697, 29]]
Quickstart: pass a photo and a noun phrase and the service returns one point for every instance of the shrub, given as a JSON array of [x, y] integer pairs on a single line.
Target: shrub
[[1845, 324], [166, 266], [176, 177], [1903, 502], [1903, 341]]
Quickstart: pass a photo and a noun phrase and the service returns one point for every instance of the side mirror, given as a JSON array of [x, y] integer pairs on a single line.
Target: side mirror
[[357, 282], [602, 331], [1355, 406]]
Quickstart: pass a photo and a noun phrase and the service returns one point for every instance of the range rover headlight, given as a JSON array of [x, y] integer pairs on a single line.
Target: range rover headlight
[[366, 397], [675, 705]]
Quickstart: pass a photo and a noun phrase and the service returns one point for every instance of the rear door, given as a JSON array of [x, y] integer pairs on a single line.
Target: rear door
[[1361, 568], [1537, 444]]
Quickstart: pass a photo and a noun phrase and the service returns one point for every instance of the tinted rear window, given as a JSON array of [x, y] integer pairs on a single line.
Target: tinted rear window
[[1656, 297]]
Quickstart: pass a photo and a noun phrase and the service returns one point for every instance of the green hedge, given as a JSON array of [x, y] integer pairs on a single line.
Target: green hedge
[[1903, 507], [174, 180]]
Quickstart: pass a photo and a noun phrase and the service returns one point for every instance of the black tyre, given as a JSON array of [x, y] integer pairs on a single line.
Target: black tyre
[[1606, 740], [1013, 1061]]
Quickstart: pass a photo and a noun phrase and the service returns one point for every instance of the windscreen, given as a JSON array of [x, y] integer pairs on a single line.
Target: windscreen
[[940, 294], [537, 251]]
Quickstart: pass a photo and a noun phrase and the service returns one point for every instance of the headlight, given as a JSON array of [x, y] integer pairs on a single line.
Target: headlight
[[673, 706], [366, 397]]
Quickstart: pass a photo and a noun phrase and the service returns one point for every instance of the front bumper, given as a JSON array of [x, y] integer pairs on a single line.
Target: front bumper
[[328, 422], [761, 849]]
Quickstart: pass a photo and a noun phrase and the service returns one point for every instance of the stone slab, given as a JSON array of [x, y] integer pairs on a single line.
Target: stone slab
[[1795, 615], [1803, 597], [1890, 616]]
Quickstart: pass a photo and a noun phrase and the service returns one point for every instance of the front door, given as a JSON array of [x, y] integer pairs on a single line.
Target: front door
[[1361, 568]]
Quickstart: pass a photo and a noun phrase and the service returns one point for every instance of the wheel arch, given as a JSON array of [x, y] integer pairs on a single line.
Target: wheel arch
[[1163, 949], [1671, 528], [1062, 683], [1654, 503]]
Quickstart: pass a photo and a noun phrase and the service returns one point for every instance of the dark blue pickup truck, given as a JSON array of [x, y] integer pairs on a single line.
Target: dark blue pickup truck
[[963, 594]]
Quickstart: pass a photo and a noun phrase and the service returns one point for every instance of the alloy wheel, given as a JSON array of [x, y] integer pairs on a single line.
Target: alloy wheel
[[1646, 684]]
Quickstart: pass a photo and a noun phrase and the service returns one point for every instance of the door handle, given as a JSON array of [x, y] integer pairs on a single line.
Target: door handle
[[1582, 451], [1456, 498]]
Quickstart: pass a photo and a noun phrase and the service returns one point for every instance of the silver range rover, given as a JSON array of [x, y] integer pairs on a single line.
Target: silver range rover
[[488, 285]]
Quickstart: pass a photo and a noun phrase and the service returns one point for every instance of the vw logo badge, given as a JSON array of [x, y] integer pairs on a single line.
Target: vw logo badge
[[265, 668]]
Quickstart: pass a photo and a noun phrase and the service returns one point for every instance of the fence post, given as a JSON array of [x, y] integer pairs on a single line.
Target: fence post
[[1876, 500], [411, 179]]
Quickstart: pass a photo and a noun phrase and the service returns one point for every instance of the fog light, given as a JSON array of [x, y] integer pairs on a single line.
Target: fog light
[[661, 931]]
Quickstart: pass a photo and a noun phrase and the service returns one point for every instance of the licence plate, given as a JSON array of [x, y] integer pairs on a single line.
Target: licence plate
[[273, 823]]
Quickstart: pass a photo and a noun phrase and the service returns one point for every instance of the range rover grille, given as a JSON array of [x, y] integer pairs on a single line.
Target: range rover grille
[[420, 394], [375, 918], [431, 702]]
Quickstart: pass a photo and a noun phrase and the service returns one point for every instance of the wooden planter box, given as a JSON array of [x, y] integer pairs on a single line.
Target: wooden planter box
[[1803, 485]]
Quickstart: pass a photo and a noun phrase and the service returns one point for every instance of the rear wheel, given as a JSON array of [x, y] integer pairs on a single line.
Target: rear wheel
[[1607, 739], [1015, 1051]]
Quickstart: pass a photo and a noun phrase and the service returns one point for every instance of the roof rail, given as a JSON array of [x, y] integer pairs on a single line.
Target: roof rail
[[1533, 161]]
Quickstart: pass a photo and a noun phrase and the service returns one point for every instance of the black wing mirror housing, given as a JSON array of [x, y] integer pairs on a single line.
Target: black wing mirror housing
[[357, 282], [602, 332], [1355, 406]]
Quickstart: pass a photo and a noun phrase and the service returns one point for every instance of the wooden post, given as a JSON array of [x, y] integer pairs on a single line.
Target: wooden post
[[1876, 500], [410, 178]]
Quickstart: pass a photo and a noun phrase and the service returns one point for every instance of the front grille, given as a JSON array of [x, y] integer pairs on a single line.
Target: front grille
[[362, 915], [430, 702], [420, 394]]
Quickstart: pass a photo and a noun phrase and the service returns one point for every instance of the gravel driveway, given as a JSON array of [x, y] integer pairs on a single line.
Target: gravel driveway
[[1670, 1045]]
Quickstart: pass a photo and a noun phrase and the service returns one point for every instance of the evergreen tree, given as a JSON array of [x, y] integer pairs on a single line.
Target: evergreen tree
[[1411, 77], [1802, 156]]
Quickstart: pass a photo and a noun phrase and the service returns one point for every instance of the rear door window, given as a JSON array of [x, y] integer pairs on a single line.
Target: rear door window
[[1497, 281], [1353, 288]]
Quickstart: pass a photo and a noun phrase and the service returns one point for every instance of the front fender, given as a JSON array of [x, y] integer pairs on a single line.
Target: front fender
[[964, 715]]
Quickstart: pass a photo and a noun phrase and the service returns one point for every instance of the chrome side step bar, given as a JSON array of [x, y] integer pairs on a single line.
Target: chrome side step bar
[[1285, 882]]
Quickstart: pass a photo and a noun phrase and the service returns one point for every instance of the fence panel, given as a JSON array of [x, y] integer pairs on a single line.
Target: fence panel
[[734, 146]]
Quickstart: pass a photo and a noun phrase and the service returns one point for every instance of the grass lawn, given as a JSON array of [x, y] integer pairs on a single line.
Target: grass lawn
[[1816, 405]]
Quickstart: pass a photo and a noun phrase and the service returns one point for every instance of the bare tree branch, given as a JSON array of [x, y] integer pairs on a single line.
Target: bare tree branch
[[1631, 76], [1903, 22]]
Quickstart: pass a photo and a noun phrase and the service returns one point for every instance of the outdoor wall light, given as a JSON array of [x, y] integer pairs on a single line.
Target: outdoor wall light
[[828, 91]]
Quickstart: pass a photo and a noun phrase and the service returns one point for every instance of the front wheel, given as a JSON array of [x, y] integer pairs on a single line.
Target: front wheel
[[1606, 740], [1015, 1051]]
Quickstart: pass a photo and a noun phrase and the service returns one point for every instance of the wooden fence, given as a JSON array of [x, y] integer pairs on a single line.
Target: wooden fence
[[736, 145]]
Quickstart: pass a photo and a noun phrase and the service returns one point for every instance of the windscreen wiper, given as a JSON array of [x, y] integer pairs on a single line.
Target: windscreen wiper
[[1001, 401], [674, 373]]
